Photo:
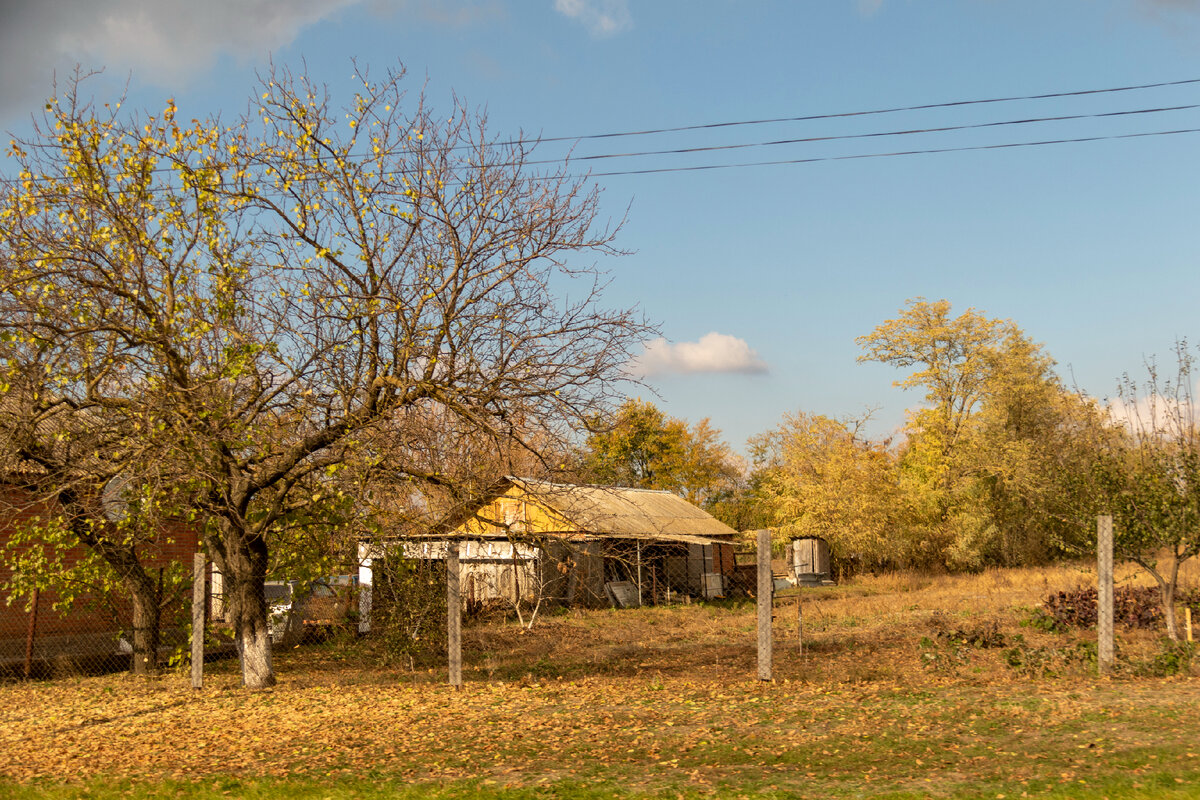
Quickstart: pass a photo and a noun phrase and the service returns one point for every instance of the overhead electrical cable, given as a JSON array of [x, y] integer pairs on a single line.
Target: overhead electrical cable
[[839, 137], [873, 135], [818, 159], [893, 154], [846, 114]]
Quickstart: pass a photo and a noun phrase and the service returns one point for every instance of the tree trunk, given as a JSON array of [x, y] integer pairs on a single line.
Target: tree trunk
[[254, 651], [146, 619], [245, 569], [1166, 590], [122, 556]]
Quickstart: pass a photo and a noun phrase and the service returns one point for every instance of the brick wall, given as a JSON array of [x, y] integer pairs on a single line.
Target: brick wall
[[174, 542]]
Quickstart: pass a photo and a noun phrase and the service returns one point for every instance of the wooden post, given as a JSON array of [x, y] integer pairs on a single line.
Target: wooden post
[[766, 590], [199, 598], [639, 571], [653, 584], [1187, 621], [31, 633], [799, 627], [454, 614], [1104, 593]]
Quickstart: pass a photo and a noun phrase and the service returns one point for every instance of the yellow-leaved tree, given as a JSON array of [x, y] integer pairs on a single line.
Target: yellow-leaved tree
[[255, 309], [641, 447], [817, 476], [981, 468]]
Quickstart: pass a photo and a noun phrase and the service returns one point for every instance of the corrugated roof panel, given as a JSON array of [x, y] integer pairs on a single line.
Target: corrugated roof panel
[[620, 511]]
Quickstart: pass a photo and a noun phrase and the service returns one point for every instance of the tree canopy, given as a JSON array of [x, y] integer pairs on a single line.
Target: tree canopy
[[641, 447], [1145, 472], [980, 460], [820, 477], [257, 312]]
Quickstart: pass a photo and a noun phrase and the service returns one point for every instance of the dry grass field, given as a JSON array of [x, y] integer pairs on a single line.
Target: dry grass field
[[906, 686]]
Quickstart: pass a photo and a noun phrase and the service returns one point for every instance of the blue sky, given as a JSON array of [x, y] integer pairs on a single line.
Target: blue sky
[[761, 277]]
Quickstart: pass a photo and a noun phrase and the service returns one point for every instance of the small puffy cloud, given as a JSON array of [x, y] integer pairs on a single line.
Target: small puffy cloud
[[715, 352], [602, 17]]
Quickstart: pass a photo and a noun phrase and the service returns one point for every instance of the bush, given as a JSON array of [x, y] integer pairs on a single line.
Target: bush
[[1133, 607], [950, 648], [1042, 621], [1047, 662], [1173, 658], [408, 610]]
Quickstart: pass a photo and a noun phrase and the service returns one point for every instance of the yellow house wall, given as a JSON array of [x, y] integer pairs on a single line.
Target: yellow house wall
[[516, 512]]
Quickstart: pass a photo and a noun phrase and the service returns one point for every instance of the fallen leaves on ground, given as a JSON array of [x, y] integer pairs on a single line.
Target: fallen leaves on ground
[[655, 699], [651, 731]]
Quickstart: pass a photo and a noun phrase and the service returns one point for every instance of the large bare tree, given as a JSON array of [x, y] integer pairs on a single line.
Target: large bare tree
[[273, 297]]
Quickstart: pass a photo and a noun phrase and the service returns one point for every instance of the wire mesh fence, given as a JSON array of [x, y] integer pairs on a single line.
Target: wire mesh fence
[[392, 604], [44, 635]]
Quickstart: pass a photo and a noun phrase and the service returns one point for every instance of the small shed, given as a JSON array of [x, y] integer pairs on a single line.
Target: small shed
[[808, 561]]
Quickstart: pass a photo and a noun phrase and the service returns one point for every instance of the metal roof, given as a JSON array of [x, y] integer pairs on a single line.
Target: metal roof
[[615, 511]]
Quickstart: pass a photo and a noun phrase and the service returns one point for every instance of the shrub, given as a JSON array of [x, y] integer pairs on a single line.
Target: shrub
[[408, 610], [1047, 662], [950, 648], [1133, 607], [1173, 658], [1042, 621]]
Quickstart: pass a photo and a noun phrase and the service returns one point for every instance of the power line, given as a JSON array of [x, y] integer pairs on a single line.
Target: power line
[[846, 114], [874, 134], [852, 157], [877, 134], [929, 151]]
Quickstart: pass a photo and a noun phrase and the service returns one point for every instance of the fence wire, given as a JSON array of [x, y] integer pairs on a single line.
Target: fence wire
[[390, 606], [44, 636]]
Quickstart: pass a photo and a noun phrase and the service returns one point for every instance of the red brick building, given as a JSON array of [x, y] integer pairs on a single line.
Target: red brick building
[[91, 629]]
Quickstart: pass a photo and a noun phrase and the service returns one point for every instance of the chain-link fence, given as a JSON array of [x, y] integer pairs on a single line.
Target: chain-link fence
[[396, 601], [582, 572], [44, 634]]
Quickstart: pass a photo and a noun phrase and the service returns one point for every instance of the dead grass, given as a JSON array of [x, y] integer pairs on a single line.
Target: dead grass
[[900, 628], [874, 628]]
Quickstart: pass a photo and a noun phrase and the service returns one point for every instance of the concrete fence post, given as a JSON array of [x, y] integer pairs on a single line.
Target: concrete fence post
[[766, 592], [31, 632], [199, 596], [1104, 593], [454, 616]]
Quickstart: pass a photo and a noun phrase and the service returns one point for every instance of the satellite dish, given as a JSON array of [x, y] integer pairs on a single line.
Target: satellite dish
[[114, 502]]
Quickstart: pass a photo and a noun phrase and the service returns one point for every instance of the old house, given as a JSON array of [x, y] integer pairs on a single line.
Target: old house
[[577, 545]]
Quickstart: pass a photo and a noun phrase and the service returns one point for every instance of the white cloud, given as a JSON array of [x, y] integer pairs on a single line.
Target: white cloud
[[161, 41], [715, 352], [1167, 413], [602, 17], [167, 42]]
